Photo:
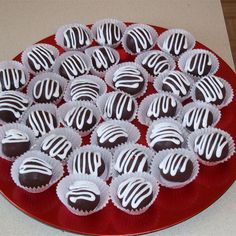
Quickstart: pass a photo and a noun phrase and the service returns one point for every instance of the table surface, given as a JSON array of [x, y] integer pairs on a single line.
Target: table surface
[[23, 23]]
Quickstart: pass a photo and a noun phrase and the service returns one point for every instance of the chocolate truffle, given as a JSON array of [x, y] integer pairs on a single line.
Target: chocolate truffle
[[198, 64], [176, 44], [110, 135], [128, 79], [211, 147], [103, 58], [83, 195], [197, 118], [73, 66], [165, 135], [41, 122], [56, 146], [76, 37], [108, 34], [12, 79], [176, 83], [40, 58], [47, 90], [155, 63], [135, 193], [82, 89], [12, 105], [90, 163], [138, 39], [15, 143], [34, 172], [210, 89], [131, 160], [176, 168], [80, 118], [162, 106], [120, 106]]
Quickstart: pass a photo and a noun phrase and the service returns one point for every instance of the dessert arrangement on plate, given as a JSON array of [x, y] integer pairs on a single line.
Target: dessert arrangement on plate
[[51, 101]]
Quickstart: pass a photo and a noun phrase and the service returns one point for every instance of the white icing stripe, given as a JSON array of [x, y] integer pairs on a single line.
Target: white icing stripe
[[198, 61], [176, 42], [83, 190], [173, 163], [109, 132], [130, 160], [80, 115], [11, 79], [41, 57], [106, 32], [74, 66], [47, 87], [134, 77], [118, 102], [103, 60], [211, 88], [178, 83], [15, 136], [87, 163], [165, 132], [83, 88], [34, 164], [210, 145], [196, 117], [161, 104], [57, 145], [157, 62], [76, 37], [141, 37], [133, 191]]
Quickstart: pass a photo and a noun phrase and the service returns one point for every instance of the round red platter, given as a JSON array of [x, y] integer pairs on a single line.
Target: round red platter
[[171, 206]]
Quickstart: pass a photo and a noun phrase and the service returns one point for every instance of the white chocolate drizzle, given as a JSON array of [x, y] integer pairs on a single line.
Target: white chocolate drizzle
[[15, 136]]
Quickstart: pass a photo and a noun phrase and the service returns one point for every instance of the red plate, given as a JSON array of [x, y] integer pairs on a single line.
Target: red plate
[[171, 206]]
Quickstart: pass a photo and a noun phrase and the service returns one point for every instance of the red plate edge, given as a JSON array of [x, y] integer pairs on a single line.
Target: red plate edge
[[211, 184]]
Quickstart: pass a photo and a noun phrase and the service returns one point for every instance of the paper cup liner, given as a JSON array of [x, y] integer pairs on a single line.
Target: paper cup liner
[[15, 65], [160, 156], [105, 155], [63, 188], [110, 73], [172, 65], [89, 78], [117, 181], [90, 51], [101, 102], [192, 137], [71, 135], [164, 36], [185, 56], [22, 128], [97, 24], [229, 93], [145, 104], [127, 146], [150, 29], [21, 94], [66, 107], [214, 110], [57, 170], [68, 54], [132, 131], [52, 76], [48, 107], [24, 57], [158, 83], [59, 37], [171, 122]]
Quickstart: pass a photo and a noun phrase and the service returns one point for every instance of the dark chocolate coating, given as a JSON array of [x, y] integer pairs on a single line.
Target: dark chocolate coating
[[109, 145], [176, 161], [15, 149]]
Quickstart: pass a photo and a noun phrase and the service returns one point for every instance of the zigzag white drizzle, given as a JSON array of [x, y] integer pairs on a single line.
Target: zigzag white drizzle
[[15, 136]]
